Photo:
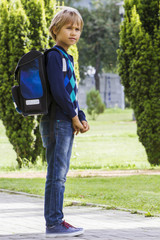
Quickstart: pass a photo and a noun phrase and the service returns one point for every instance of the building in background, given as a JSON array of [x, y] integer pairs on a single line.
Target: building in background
[[111, 90]]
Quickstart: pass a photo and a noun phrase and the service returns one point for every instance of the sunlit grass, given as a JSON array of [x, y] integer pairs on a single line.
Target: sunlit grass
[[138, 193], [111, 143]]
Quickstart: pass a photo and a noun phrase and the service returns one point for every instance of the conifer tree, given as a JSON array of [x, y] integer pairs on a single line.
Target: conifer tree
[[39, 40], [139, 68], [18, 35], [14, 43], [51, 7], [4, 56], [35, 10]]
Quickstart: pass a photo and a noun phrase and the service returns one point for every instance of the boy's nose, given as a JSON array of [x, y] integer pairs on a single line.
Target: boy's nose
[[73, 32]]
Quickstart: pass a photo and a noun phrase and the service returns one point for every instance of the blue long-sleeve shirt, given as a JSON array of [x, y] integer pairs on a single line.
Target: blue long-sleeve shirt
[[63, 88]]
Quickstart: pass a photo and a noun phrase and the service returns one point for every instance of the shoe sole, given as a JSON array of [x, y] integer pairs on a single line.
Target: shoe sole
[[56, 235]]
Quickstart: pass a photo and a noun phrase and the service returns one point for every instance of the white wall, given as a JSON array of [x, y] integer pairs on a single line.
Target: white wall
[[111, 90]]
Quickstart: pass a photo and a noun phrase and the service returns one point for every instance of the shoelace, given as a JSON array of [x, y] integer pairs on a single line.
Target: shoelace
[[67, 225]]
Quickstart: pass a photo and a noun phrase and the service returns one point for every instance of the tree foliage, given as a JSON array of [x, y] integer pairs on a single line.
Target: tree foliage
[[4, 54], [38, 33], [39, 40], [139, 68], [14, 43], [23, 26], [100, 37]]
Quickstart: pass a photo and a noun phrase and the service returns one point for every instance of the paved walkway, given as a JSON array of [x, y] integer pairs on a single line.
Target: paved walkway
[[21, 217]]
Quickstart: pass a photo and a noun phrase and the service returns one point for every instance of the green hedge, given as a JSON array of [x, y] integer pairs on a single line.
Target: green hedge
[[139, 68]]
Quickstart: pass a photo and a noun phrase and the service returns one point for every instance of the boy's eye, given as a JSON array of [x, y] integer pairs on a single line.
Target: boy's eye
[[70, 27]]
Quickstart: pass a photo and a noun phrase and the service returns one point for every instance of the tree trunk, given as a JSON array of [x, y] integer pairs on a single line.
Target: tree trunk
[[97, 81], [96, 75]]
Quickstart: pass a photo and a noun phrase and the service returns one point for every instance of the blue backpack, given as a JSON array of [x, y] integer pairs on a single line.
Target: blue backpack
[[32, 96]]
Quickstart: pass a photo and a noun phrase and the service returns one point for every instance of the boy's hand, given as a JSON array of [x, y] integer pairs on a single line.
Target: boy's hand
[[85, 127], [77, 125]]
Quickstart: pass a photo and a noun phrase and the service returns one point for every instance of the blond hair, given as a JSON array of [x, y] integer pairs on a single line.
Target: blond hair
[[65, 16]]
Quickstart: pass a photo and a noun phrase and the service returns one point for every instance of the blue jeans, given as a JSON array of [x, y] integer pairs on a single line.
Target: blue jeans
[[58, 153]]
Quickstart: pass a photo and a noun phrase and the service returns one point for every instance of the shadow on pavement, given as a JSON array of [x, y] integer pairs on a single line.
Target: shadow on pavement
[[103, 234]]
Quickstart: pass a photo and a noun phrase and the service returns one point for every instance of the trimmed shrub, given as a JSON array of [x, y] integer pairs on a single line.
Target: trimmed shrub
[[95, 104], [139, 68], [23, 26]]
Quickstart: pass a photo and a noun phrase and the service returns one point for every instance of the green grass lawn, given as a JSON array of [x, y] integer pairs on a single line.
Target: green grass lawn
[[111, 143], [8, 155], [138, 193]]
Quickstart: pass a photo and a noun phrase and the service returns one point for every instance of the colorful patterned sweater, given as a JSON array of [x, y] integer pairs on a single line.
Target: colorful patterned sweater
[[63, 88]]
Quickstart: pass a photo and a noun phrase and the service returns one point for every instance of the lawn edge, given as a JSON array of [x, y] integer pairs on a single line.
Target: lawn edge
[[79, 203]]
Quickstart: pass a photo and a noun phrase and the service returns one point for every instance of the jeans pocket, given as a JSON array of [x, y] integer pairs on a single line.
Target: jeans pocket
[[65, 126], [44, 129]]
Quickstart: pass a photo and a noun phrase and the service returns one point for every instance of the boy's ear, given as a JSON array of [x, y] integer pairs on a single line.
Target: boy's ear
[[54, 30]]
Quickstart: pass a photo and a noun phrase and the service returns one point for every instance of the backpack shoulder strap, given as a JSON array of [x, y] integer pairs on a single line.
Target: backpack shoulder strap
[[64, 63], [70, 64]]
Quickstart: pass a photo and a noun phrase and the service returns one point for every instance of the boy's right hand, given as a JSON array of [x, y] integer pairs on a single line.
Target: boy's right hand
[[77, 125]]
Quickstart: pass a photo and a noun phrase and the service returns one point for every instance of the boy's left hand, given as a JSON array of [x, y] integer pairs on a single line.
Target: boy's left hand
[[85, 127]]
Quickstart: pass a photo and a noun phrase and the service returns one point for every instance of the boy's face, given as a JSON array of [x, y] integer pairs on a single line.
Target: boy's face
[[68, 35]]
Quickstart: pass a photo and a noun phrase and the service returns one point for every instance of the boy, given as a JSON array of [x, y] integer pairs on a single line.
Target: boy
[[65, 29]]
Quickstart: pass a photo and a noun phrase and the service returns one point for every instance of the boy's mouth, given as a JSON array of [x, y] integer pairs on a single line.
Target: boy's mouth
[[72, 38]]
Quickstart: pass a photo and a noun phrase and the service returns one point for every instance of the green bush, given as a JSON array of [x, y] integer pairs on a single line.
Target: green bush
[[94, 103], [14, 43], [139, 68], [23, 26]]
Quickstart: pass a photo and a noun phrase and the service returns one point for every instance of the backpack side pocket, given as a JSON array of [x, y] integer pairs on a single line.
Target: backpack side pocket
[[16, 95]]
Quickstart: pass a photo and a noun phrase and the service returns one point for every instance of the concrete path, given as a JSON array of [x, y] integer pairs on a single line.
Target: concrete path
[[21, 217]]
